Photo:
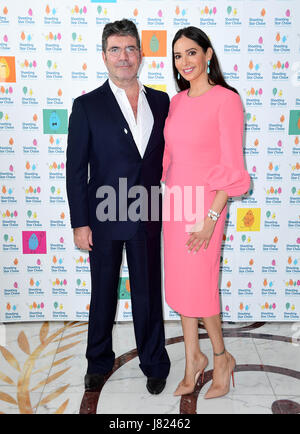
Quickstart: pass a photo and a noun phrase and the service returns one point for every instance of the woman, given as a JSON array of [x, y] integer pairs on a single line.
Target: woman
[[204, 147]]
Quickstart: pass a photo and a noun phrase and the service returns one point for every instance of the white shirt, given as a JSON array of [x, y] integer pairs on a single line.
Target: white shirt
[[142, 126]]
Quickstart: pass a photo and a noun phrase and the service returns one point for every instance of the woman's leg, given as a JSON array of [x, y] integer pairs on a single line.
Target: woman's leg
[[223, 361], [195, 360]]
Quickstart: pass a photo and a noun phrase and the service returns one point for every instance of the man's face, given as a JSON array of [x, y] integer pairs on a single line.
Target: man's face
[[122, 58]]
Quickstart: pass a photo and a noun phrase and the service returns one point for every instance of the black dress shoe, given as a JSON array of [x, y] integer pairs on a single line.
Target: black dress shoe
[[155, 385], [93, 382]]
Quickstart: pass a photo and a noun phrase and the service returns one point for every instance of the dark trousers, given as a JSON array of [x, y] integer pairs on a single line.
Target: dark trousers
[[144, 266]]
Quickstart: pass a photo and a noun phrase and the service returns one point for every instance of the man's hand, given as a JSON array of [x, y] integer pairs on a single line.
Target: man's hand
[[83, 238]]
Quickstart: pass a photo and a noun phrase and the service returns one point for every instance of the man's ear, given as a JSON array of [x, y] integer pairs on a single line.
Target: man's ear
[[104, 57]]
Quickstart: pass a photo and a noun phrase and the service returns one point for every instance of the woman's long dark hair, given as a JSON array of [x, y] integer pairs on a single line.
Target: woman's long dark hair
[[215, 76]]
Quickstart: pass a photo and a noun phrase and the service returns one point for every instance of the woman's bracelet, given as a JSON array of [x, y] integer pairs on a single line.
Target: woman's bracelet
[[213, 215]]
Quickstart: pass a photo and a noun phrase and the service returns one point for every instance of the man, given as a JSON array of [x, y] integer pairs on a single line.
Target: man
[[117, 130]]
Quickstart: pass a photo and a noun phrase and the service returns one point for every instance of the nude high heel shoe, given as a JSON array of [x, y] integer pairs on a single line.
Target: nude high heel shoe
[[186, 390], [218, 391]]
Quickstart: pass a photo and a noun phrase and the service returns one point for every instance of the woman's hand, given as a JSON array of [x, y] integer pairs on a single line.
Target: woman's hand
[[198, 237]]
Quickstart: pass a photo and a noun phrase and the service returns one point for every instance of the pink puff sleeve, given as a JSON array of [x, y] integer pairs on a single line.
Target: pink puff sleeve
[[229, 174]]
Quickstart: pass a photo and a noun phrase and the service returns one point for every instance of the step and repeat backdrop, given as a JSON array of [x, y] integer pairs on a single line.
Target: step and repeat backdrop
[[50, 53]]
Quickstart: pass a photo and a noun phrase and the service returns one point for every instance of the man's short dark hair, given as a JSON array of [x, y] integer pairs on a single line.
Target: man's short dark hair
[[120, 28]]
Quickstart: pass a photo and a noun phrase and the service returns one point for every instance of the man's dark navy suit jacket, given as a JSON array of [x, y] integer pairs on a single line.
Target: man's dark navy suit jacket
[[98, 139]]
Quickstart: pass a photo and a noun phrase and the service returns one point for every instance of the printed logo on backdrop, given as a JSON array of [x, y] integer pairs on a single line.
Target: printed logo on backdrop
[[57, 245], [232, 72], [291, 311], [281, 43], [58, 311], [294, 122], [257, 45], [154, 43], [246, 244], [252, 147], [278, 124], [254, 71], [35, 267], [226, 264], [269, 311], [30, 123], [36, 310], [11, 268], [27, 41], [246, 289], [294, 245], [57, 264], [27, 18], [53, 41], [53, 71], [4, 15], [276, 149], [78, 43], [56, 145], [8, 147], [55, 121], [248, 266], [226, 288], [233, 45], [251, 122], [156, 70], [12, 289], [78, 15], [8, 174], [32, 195], [4, 42], [284, 19], [280, 70], [34, 242], [52, 15], [102, 16], [245, 311], [248, 219], [208, 15], [157, 20], [81, 72], [82, 264], [35, 287], [268, 287], [6, 121], [82, 287], [7, 70], [271, 220], [8, 195], [292, 288], [12, 312], [9, 218], [258, 20], [181, 17], [254, 96], [59, 220], [9, 243], [226, 313], [232, 17]]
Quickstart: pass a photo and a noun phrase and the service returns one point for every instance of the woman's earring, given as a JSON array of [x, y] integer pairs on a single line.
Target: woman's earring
[[208, 68], [178, 76]]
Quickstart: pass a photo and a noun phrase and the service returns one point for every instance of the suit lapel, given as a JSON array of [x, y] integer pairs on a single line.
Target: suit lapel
[[118, 118], [152, 105]]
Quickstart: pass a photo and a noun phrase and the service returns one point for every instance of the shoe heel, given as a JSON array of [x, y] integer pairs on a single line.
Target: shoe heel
[[202, 376], [232, 377]]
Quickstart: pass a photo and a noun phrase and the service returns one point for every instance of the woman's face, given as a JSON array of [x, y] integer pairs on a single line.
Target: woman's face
[[190, 59]]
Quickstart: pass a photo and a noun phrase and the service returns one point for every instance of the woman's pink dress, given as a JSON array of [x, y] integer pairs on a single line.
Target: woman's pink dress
[[203, 147]]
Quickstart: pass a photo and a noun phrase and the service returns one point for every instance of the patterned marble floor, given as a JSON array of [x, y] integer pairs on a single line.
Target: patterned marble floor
[[42, 366]]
